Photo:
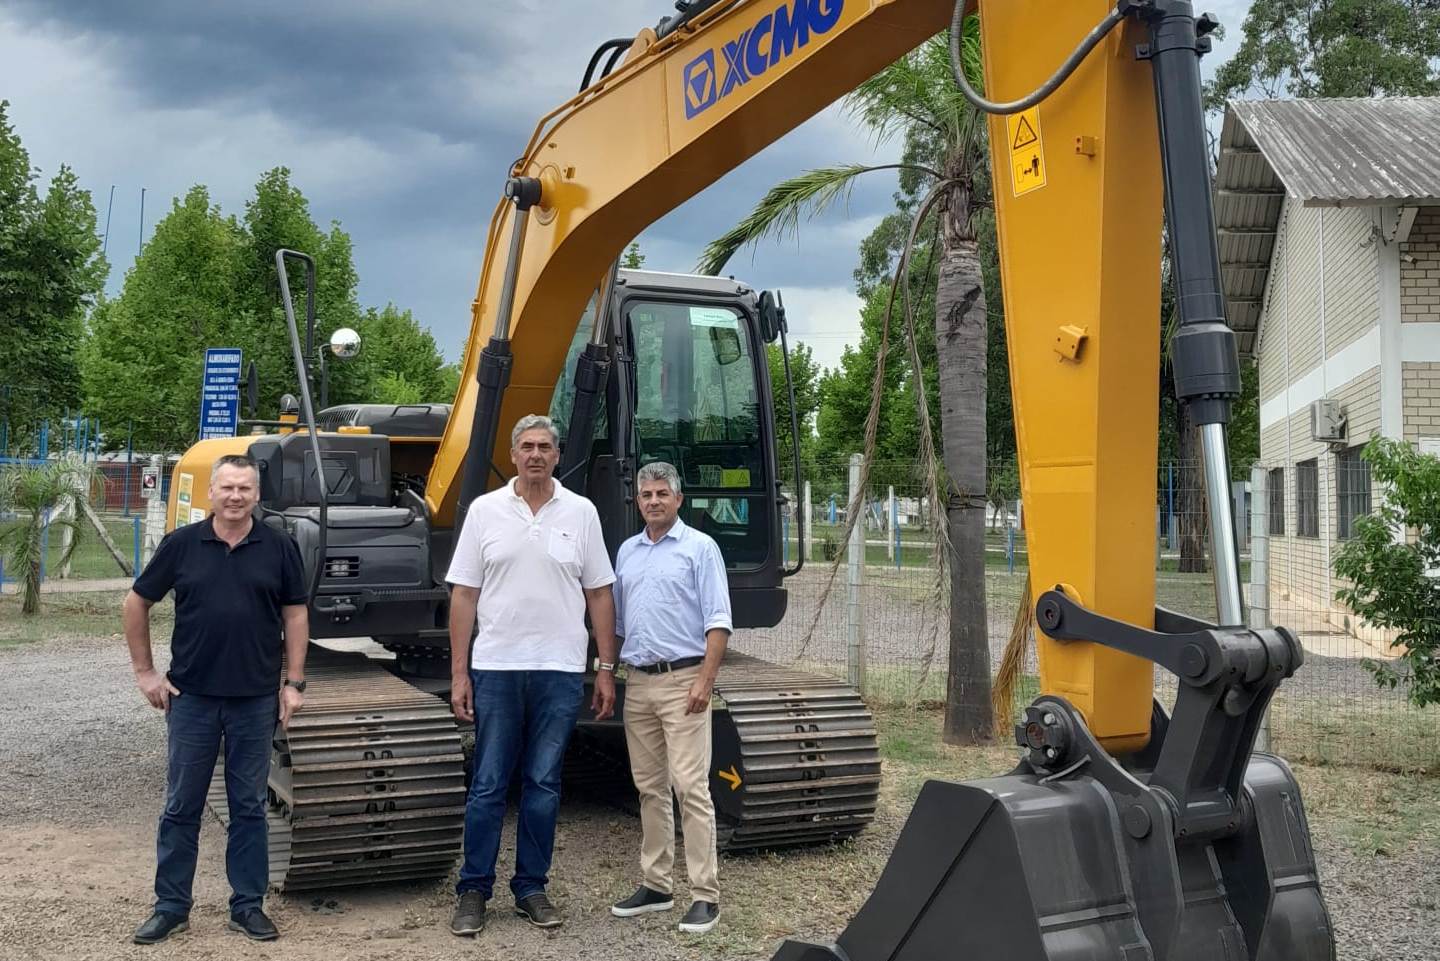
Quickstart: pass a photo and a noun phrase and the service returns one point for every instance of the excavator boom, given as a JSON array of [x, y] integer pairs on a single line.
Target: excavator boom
[[681, 112]]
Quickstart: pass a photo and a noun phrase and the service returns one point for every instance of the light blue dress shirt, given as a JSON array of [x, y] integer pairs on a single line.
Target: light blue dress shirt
[[668, 594]]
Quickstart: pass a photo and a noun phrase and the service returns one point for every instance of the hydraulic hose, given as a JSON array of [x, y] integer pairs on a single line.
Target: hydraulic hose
[[1045, 89], [615, 47]]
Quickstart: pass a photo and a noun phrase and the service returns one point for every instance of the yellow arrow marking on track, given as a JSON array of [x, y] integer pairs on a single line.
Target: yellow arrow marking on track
[[732, 776]]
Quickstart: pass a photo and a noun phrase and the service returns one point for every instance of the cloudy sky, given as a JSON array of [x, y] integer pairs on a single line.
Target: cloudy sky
[[397, 119]]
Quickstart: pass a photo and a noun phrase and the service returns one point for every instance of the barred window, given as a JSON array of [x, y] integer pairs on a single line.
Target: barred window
[[1307, 498], [1275, 489], [1352, 490]]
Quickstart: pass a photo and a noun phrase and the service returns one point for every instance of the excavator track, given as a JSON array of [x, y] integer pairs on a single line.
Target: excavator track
[[796, 758], [368, 784]]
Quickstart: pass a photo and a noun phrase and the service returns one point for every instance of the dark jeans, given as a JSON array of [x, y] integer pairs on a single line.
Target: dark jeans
[[197, 726], [524, 718]]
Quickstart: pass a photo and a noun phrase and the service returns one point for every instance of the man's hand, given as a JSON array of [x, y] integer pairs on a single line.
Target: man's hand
[[156, 687], [291, 701], [462, 699], [603, 703], [699, 698]]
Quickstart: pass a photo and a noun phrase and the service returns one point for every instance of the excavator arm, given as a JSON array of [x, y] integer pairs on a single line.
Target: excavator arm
[[1129, 831], [683, 110]]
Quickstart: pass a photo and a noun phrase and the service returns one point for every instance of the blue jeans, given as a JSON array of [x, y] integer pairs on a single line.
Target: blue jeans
[[197, 725], [524, 718]]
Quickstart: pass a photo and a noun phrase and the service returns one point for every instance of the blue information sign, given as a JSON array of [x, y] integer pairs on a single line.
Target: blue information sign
[[220, 393]]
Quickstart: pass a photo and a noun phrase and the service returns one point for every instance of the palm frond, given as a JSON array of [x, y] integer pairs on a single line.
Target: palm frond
[[778, 212]]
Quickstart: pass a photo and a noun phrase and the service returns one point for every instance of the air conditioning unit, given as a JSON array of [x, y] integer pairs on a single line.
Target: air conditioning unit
[[1327, 421]]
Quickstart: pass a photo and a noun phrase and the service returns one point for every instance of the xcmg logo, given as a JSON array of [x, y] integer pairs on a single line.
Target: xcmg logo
[[774, 37]]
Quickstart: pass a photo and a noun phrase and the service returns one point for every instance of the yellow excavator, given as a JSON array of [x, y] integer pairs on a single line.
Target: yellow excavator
[[1127, 831]]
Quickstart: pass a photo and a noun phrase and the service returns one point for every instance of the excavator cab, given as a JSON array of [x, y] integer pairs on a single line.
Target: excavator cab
[[695, 389]]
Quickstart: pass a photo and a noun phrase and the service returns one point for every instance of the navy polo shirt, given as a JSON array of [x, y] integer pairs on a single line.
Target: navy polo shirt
[[228, 636]]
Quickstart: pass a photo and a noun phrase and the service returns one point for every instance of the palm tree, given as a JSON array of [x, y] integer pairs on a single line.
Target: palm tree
[[944, 140], [36, 494]]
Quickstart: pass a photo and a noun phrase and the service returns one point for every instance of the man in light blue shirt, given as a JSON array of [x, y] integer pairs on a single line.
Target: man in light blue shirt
[[672, 614]]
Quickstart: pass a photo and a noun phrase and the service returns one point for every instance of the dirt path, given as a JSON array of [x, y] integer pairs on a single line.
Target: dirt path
[[83, 763]]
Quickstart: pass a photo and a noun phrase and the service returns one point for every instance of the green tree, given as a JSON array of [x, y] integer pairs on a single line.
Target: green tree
[[207, 280], [51, 273], [394, 344], [1333, 48], [394, 388], [944, 158], [278, 216], [35, 494], [145, 357], [805, 374], [1388, 563], [633, 259]]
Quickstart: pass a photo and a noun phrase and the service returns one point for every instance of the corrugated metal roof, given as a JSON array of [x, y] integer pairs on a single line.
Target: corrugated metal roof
[[1355, 152]]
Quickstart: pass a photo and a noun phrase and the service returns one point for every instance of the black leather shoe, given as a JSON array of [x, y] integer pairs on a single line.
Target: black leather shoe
[[642, 901], [255, 926], [469, 916], [160, 926], [537, 909], [702, 916]]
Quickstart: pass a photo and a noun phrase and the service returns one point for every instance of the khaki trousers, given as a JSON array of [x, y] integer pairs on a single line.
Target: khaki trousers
[[671, 750]]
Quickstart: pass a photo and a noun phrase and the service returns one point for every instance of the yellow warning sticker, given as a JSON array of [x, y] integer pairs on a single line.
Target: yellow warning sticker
[[182, 500], [1027, 151]]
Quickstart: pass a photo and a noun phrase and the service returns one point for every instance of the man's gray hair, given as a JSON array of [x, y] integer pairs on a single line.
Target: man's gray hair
[[661, 471], [533, 422], [235, 460]]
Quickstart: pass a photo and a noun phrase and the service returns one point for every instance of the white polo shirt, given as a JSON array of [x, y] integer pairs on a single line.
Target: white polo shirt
[[532, 570]]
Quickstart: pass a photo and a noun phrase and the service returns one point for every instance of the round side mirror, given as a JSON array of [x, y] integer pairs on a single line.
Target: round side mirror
[[345, 343]]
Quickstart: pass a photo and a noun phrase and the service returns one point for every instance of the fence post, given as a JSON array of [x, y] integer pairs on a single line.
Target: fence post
[[66, 513], [44, 543], [129, 469], [154, 514], [894, 528], [808, 547], [1260, 575], [855, 612], [138, 543], [784, 538]]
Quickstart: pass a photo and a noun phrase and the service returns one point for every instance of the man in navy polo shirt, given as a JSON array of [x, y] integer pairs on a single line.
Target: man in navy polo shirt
[[237, 584]]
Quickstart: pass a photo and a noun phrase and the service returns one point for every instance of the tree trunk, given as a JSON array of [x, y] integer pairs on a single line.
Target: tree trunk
[[1191, 520], [960, 354]]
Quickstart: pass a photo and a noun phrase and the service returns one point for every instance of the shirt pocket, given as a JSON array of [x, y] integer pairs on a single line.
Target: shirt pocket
[[563, 549]]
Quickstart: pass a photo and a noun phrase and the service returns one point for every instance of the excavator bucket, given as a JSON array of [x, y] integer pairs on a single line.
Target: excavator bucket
[[1195, 848], [1022, 867]]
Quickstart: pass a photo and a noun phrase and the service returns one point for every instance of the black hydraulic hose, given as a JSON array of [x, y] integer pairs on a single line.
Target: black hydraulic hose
[[618, 44], [615, 56], [1045, 89], [307, 408]]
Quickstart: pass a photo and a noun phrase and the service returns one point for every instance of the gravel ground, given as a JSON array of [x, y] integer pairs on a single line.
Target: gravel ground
[[84, 758]]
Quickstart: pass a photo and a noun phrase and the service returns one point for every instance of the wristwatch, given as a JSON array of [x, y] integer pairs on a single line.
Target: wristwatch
[[606, 666], [298, 685]]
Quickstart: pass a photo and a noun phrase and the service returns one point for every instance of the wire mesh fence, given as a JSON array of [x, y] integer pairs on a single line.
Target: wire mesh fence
[[1332, 711]]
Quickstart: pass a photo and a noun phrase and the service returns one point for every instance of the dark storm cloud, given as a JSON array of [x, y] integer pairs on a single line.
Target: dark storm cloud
[[360, 68], [398, 119]]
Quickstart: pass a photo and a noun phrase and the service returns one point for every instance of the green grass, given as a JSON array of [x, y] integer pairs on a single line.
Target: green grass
[[94, 614], [91, 558]]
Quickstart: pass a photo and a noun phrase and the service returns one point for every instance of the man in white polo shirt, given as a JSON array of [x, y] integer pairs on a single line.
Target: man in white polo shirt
[[529, 563]]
